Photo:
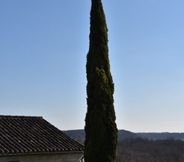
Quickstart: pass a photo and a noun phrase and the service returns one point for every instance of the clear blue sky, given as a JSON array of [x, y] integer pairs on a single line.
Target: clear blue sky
[[43, 47]]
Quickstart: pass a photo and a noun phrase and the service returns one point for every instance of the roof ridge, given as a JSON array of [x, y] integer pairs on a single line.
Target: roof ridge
[[21, 116]]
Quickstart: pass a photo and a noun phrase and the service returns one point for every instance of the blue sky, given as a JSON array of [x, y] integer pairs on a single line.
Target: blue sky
[[43, 47]]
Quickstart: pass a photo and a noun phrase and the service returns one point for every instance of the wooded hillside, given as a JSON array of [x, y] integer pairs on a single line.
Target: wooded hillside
[[144, 147], [144, 150]]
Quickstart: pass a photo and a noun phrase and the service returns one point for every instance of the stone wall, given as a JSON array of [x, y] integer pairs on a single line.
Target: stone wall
[[43, 158]]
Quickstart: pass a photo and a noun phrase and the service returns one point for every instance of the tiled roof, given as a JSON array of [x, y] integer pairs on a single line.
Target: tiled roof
[[33, 135]]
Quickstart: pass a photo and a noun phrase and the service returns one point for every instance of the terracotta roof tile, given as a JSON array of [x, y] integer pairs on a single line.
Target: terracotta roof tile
[[29, 135]]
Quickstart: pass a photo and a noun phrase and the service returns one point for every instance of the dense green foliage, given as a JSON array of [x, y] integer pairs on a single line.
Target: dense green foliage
[[144, 150], [100, 128]]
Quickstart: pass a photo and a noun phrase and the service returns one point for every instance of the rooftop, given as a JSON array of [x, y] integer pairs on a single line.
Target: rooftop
[[33, 135]]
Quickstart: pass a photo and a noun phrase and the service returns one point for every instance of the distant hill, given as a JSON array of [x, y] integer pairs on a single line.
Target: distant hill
[[123, 134], [79, 135], [134, 147], [145, 150], [164, 135]]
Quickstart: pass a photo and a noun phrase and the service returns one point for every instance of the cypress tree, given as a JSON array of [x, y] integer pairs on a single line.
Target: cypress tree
[[100, 126]]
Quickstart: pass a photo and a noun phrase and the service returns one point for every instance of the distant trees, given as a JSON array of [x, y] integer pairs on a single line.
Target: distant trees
[[144, 150], [100, 126]]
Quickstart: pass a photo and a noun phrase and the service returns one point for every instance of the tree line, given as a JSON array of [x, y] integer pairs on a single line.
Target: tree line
[[144, 150]]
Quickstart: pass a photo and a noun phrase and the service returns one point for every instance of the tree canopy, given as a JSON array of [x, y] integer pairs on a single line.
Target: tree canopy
[[100, 128]]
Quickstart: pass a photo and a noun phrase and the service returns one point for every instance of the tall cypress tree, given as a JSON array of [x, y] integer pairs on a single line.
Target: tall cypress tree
[[100, 126]]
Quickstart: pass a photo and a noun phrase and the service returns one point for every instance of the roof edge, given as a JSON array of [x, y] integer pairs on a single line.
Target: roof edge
[[47, 153], [19, 116]]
